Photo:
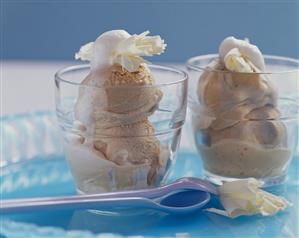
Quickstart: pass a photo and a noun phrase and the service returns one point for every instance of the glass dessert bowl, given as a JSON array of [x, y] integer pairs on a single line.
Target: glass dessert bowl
[[137, 150], [121, 118], [245, 124]]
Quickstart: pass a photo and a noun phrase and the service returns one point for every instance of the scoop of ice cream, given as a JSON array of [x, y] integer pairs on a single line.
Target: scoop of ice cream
[[260, 126], [95, 174], [131, 150], [134, 143], [122, 99], [126, 92], [265, 133], [244, 111], [140, 128], [131, 144], [221, 91]]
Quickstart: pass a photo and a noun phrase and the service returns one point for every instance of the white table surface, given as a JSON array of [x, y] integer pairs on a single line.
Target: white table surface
[[28, 86]]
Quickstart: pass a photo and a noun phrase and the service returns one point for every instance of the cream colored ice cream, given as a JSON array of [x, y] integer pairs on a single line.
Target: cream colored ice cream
[[241, 134], [114, 104]]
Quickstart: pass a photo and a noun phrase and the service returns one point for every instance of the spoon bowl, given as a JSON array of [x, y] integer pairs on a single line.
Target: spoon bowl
[[185, 201]]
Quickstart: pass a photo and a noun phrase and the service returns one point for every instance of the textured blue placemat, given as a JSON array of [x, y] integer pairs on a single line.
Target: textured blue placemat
[[42, 171], [47, 177]]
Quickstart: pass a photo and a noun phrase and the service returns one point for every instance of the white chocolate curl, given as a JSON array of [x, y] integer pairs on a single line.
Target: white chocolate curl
[[120, 47], [85, 52], [243, 53], [244, 197], [235, 62]]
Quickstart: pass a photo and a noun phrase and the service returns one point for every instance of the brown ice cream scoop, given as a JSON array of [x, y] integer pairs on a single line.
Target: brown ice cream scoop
[[130, 91], [131, 145], [267, 127], [209, 85], [116, 97], [232, 116], [220, 90], [119, 76], [268, 112], [266, 133], [242, 112], [141, 128], [133, 150], [136, 139], [122, 150], [261, 126]]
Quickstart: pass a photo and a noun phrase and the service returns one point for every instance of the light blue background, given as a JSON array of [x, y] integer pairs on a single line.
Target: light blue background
[[56, 29]]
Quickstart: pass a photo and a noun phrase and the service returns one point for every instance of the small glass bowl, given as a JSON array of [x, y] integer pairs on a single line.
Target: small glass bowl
[[245, 124], [96, 147]]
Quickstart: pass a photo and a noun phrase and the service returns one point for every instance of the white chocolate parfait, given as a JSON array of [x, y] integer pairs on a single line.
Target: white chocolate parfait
[[116, 147], [237, 126]]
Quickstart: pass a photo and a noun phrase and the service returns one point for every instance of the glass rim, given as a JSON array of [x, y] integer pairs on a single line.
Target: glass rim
[[190, 64], [184, 76]]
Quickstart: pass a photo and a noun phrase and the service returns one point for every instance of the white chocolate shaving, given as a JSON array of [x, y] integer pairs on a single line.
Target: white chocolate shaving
[[249, 52], [244, 197], [85, 52], [122, 48], [235, 62]]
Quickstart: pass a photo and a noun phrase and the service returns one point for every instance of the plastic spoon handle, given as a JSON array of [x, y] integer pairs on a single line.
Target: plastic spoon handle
[[182, 183], [175, 205], [78, 204]]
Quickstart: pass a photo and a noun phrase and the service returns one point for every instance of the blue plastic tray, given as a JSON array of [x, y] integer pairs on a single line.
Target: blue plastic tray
[[33, 166]]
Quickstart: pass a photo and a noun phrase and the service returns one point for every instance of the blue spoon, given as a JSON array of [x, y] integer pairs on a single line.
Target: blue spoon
[[182, 196]]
